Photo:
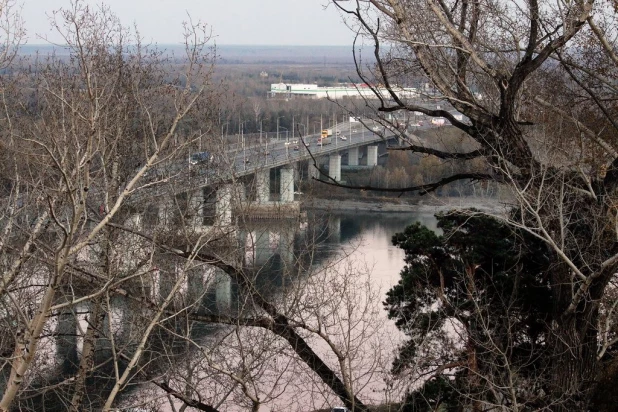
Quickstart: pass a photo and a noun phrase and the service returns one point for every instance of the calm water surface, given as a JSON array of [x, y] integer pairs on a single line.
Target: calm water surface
[[366, 240], [372, 232]]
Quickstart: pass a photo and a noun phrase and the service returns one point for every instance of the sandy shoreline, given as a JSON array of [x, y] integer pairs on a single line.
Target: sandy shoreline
[[425, 205]]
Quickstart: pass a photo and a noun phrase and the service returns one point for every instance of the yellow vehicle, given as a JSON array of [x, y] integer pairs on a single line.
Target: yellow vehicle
[[325, 133]]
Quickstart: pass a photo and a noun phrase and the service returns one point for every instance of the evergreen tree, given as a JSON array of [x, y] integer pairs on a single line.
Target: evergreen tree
[[475, 305]]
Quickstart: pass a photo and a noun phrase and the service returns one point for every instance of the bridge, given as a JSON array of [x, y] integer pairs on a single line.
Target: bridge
[[214, 192]]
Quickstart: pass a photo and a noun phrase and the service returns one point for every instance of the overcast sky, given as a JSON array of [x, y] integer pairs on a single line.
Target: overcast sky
[[268, 22]]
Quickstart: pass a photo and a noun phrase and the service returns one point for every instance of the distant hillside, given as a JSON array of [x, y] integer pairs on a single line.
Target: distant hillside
[[243, 54], [287, 54]]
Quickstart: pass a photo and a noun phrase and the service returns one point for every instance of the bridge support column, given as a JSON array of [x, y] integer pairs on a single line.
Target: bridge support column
[[196, 206], [312, 171], [263, 250], [334, 229], [353, 156], [165, 211], [66, 339], [223, 291], [372, 155], [262, 185], [286, 246], [224, 206], [196, 286], [334, 166], [286, 189], [239, 195]]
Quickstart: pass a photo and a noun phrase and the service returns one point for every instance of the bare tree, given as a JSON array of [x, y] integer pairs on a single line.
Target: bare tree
[[105, 261], [80, 135], [536, 82]]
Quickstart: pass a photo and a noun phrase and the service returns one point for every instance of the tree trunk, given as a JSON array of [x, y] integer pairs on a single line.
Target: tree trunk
[[95, 321], [574, 348]]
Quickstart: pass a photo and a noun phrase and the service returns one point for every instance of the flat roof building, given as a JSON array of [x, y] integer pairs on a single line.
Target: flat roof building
[[360, 90]]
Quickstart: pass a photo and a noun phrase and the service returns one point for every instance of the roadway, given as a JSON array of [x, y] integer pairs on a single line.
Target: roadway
[[278, 153], [242, 161], [275, 154]]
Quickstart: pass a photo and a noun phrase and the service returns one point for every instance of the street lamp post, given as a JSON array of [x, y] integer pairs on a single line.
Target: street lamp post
[[286, 132], [315, 124], [303, 135], [304, 128], [242, 139], [350, 132], [280, 117], [223, 139], [286, 139]]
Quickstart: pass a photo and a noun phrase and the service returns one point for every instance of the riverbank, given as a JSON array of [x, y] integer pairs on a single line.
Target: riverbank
[[390, 205]]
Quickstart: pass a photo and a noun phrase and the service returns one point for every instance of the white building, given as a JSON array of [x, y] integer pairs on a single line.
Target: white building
[[344, 91]]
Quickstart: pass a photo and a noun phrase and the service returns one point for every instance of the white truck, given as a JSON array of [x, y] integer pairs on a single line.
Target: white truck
[[323, 141]]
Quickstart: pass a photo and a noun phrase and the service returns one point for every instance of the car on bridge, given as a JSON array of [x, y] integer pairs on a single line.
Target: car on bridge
[[342, 137], [200, 157]]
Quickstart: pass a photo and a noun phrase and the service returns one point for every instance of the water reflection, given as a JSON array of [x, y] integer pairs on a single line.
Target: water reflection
[[373, 233], [278, 256]]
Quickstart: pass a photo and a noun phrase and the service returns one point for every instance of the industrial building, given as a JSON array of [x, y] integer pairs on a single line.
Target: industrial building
[[313, 91]]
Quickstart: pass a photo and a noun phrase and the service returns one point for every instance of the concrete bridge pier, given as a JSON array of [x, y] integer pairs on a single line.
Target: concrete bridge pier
[[334, 229], [372, 155], [165, 211], [223, 206], [239, 194], [166, 281], [153, 282], [223, 291], [66, 339], [257, 248], [312, 171], [117, 322], [334, 166], [196, 207], [286, 189], [286, 246], [197, 281], [353, 156], [262, 185]]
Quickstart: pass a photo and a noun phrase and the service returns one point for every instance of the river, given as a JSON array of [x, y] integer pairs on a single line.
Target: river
[[365, 244], [357, 247], [355, 264], [354, 259], [372, 233]]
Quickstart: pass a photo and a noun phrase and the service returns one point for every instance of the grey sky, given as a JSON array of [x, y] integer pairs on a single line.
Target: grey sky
[[284, 22]]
